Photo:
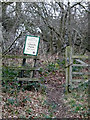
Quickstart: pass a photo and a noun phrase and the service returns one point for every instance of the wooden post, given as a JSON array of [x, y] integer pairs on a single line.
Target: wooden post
[[68, 67], [21, 74], [67, 71], [23, 64], [22, 71], [33, 65], [0, 81], [1, 39]]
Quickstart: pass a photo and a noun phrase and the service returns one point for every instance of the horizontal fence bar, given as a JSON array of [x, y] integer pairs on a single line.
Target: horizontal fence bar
[[80, 61], [27, 68], [21, 79], [81, 73], [22, 68], [79, 80], [81, 56], [7, 78], [76, 86], [28, 79], [19, 56], [81, 65]]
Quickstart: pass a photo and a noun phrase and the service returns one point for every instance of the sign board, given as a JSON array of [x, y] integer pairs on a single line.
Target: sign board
[[31, 45]]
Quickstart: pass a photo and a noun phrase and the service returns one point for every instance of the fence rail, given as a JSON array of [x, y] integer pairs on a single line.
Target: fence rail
[[19, 56], [81, 73], [34, 67], [81, 56], [23, 68]]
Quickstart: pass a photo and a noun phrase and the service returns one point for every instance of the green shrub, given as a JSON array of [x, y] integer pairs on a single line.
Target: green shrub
[[51, 67]]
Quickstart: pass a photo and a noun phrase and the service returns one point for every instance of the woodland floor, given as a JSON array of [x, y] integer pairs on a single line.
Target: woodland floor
[[55, 96], [52, 103]]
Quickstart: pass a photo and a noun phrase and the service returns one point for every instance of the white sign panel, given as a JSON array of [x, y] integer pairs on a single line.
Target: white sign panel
[[31, 45]]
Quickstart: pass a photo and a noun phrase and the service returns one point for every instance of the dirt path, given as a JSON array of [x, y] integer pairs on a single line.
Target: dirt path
[[55, 94]]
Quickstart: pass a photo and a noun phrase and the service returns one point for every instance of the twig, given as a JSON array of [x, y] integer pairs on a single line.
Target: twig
[[5, 52]]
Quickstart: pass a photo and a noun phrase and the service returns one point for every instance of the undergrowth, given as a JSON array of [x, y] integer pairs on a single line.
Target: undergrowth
[[77, 101]]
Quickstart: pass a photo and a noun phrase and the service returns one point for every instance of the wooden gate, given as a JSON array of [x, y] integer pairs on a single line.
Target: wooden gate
[[73, 61]]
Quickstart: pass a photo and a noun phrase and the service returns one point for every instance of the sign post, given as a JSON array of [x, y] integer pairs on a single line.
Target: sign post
[[31, 48], [31, 45]]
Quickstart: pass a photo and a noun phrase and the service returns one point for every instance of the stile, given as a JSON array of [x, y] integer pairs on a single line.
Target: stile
[[23, 68]]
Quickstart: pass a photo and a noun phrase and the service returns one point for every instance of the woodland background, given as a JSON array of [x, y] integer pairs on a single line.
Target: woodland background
[[59, 24]]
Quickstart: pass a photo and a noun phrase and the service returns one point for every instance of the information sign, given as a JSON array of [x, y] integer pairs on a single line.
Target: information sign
[[31, 45]]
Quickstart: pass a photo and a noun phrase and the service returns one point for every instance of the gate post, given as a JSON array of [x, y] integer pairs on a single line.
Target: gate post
[[68, 60], [1, 39]]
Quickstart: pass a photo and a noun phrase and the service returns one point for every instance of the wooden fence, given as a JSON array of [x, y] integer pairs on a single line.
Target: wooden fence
[[70, 82], [23, 67], [69, 67]]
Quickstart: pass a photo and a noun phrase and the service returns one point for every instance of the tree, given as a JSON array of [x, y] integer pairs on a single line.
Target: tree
[[58, 24]]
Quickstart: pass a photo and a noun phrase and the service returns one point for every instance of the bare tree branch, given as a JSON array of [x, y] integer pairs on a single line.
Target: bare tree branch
[[84, 8], [59, 3], [78, 3], [46, 21], [5, 52]]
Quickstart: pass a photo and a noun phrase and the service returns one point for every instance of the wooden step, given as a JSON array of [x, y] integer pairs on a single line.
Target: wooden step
[[28, 79], [23, 68], [19, 56]]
